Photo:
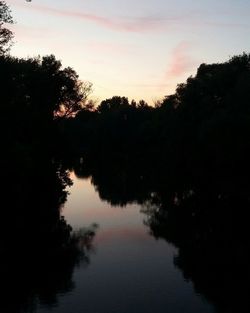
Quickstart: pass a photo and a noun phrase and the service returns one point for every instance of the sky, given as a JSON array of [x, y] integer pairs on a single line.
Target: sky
[[140, 49]]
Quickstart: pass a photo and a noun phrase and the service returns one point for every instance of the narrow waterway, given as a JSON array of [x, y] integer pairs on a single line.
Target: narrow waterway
[[128, 270]]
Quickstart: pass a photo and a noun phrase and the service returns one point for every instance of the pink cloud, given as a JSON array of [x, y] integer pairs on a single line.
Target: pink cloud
[[134, 24], [181, 61], [142, 24]]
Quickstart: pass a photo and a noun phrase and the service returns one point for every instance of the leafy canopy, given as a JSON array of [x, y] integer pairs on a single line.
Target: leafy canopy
[[5, 34]]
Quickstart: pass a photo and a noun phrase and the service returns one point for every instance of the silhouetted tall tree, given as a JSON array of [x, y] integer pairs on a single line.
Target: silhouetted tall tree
[[35, 94]]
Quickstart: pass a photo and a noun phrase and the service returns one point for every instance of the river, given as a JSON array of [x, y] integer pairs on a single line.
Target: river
[[128, 270]]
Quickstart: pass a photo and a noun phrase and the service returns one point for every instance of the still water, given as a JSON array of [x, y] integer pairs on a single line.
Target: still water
[[128, 270]]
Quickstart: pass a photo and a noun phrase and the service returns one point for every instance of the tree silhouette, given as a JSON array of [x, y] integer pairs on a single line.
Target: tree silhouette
[[36, 94], [114, 103], [5, 34]]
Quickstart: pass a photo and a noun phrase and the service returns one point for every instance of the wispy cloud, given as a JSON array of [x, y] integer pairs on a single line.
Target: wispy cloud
[[143, 24], [181, 61], [124, 24]]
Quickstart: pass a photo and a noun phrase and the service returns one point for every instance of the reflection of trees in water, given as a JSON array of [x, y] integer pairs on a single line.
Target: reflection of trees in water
[[198, 221], [38, 248], [115, 179], [200, 224]]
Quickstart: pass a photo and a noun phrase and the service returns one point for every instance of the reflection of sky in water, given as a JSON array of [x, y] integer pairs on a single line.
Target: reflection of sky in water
[[130, 271], [85, 207]]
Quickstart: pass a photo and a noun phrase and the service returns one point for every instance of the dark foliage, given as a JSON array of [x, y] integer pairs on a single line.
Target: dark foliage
[[36, 94], [202, 130], [5, 34]]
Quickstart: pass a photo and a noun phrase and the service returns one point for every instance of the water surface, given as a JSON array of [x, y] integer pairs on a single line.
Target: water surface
[[128, 270]]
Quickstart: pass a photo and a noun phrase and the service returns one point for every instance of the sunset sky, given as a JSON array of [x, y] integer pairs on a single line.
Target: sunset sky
[[136, 48]]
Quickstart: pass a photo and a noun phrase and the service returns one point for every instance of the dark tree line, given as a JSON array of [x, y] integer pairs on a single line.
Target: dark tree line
[[202, 130]]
